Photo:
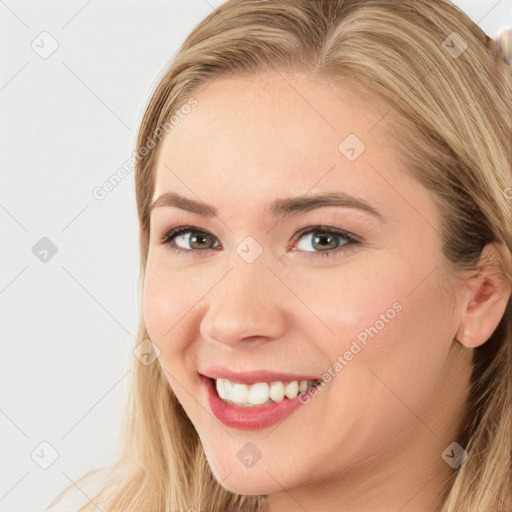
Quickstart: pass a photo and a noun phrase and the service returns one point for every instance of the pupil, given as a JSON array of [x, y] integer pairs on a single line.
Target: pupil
[[327, 239], [200, 240]]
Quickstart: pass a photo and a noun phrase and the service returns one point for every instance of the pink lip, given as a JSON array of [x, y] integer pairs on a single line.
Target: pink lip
[[248, 418], [251, 377]]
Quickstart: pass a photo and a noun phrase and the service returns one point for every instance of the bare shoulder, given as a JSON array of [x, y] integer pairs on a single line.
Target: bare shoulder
[[76, 495]]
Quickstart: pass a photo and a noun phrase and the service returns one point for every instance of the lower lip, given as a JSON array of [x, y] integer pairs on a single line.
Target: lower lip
[[248, 418]]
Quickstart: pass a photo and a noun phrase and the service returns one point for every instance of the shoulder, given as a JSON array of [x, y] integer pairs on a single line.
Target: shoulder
[[78, 494]]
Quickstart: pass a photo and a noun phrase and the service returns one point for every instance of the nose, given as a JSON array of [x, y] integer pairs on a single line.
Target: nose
[[247, 305]]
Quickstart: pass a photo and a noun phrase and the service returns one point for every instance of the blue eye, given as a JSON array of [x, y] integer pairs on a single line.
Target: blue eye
[[325, 241]]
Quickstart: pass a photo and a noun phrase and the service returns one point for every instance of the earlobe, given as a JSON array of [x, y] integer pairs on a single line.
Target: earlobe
[[465, 339], [485, 303]]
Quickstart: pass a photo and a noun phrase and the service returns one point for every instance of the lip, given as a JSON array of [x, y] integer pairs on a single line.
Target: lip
[[251, 377], [248, 418]]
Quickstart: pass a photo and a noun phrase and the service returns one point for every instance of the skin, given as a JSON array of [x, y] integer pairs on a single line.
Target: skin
[[372, 439]]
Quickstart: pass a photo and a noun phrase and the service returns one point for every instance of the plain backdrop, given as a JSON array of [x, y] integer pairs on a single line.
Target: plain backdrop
[[75, 77]]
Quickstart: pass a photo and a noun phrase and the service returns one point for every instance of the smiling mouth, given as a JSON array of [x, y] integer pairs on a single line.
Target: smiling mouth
[[260, 393], [251, 405]]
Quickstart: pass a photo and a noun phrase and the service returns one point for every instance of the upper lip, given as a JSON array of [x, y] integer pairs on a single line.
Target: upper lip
[[253, 376]]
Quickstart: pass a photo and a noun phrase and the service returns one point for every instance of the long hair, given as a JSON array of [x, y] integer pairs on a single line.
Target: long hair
[[450, 101]]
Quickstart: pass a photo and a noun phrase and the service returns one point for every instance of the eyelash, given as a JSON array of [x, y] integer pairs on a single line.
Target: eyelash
[[169, 237]]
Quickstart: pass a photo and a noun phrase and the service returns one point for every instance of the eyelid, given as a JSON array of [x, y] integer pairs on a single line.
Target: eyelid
[[173, 233], [170, 236], [322, 228]]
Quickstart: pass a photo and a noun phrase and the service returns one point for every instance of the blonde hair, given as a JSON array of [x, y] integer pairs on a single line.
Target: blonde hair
[[450, 122]]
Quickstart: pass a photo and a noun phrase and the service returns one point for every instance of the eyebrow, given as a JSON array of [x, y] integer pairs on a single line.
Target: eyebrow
[[280, 208]]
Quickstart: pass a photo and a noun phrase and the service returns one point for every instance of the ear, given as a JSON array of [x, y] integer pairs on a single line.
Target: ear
[[486, 297]]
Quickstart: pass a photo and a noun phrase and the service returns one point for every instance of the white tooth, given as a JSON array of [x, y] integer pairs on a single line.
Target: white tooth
[[240, 393], [292, 389], [277, 391], [227, 389], [221, 388], [258, 393]]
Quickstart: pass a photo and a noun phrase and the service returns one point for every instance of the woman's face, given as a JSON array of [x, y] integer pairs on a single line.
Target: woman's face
[[259, 288]]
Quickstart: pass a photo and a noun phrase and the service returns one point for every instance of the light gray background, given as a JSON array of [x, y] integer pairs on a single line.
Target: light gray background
[[68, 122]]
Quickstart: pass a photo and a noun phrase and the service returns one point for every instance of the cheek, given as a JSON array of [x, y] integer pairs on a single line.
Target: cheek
[[352, 306], [380, 312], [166, 299], [400, 335], [168, 311], [155, 303]]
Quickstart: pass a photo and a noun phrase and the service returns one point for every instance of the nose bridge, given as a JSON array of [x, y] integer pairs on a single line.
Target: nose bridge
[[246, 303]]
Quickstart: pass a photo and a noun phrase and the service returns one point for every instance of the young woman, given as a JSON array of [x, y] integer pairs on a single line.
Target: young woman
[[324, 195]]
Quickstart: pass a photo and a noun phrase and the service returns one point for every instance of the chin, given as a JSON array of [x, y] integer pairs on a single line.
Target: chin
[[248, 481], [249, 485]]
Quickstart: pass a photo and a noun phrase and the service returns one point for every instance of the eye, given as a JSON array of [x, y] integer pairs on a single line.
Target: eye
[[325, 241], [188, 239]]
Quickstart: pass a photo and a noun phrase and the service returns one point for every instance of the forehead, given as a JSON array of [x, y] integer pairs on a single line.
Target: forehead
[[252, 139]]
